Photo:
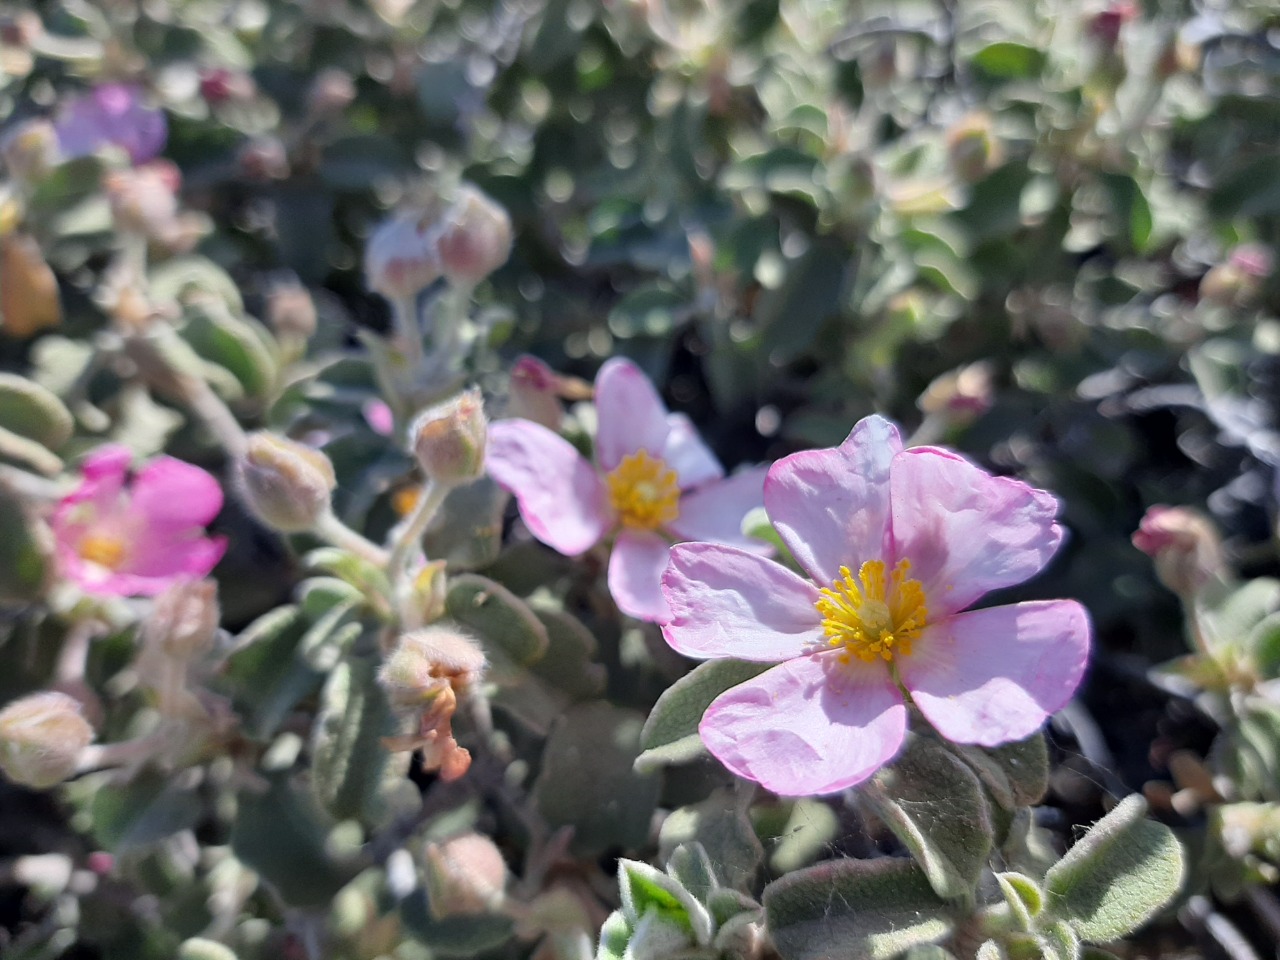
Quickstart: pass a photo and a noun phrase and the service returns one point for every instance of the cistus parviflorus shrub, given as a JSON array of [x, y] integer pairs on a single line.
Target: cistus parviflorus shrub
[[399, 398]]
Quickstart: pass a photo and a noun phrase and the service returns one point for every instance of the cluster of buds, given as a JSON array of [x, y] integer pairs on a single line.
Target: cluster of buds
[[1185, 545], [463, 243], [287, 485], [425, 677], [41, 737]]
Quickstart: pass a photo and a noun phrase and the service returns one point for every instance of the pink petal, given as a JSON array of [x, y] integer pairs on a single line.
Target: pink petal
[[168, 558], [715, 512], [173, 495], [831, 507], [726, 602], [379, 417], [965, 531], [560, 494], [631, 414], [687, 455], [808, 726], [104, 471], [635, 574], [992, 676]]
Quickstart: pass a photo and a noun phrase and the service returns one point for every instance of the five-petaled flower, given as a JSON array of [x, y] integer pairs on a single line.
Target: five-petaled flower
[[654, 482], [112, 114], [134, 537], [898, 543]]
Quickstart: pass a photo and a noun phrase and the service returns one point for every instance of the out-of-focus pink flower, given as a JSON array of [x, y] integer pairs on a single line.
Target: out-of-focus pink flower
[[535, 392], [654, 481], [113, 114], [123, 535], [1185, 546], [897, 544]]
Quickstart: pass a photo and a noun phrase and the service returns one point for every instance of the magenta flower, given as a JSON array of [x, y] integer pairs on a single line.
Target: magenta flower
[[112, 114], [122, 536], [898, 544], [654, 481]]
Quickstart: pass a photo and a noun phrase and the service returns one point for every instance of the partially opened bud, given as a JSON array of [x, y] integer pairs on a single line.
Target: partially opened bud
[[401, 257], [425, 662], [535, 393], [960, 395], [449, 439], [183, 621], [465, 876], [1185, 546], [476, 237], [286, 484], [41, 737]]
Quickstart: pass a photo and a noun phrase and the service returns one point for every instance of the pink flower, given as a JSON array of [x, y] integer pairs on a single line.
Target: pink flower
[[123, 536], [898, 544], [653, 481], [379, 417], [112, 114]]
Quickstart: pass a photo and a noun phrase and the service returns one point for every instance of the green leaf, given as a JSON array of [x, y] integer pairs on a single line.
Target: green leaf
[[793, 314], [1023, 896], [141, 812], [31, 411], [721, 827], [854, 910], [646, 311], [614, 936], [267, 673], [233, 344], [1059, 942], [1117, 876], [935, 805], [645, 890], [568, 664], [670, 733], [500, 619], [456, 936], [26, 550], [1007, 60], [176, 278], [1016, 774], [588, 781]]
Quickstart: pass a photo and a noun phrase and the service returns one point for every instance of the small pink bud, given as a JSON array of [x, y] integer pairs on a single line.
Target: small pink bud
[[961, 395], [401, 257], [449, 439], [220, 85], [262, 159], [476, 237], [291, 311], [1105, 26], [286, 484], [1185, 546], [332, 91], [466, 876], [41, 737], [144, 199]]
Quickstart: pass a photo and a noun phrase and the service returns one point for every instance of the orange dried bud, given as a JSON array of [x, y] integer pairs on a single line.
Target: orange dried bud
[[28, 289]]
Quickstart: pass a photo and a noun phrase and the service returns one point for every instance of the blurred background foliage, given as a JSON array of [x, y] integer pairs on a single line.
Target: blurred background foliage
[[1041, 232]]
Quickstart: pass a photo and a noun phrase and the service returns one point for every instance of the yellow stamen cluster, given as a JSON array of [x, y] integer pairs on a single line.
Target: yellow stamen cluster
[[102, 549], [873, 617], [644, 492]]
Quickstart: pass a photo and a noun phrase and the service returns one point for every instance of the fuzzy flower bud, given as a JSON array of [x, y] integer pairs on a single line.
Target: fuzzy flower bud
[[1185, 546], [426, 662], [449, 439], [476, 239], [401, 257], [286, 484], [961, 395], [465, 876], [291, 312], [332, 91], [184, 620], [145, 199], [41, 736], [30, 150]]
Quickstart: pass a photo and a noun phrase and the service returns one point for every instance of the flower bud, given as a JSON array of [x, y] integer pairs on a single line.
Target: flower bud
[[145, 199], [30, 150], [449, 439], [1104, 27], [332, 91], [535, 393], [465, 876], [1239, 279], [183, 621], [286, 484], [291, 311], [476, 237], [220, 85], [425, 662], [401, 257], [41, 737], [961, 395], [1185, 546], [973, 150]]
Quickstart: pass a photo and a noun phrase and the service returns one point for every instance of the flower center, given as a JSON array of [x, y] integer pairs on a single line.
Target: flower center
[[873, 617], [644, 491], [103, 549]]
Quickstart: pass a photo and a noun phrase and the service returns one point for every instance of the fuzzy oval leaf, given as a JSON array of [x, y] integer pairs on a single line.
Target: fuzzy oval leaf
[[31, 411], [854, 910], [349, 762], [935, 805], [670, 734], [1117, 876], [499, 618]]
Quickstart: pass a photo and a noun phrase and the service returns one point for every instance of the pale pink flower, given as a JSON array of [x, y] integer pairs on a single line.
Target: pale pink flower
[[897, 543], [112, 114], [126, 536], [379, 417], [654, 482]]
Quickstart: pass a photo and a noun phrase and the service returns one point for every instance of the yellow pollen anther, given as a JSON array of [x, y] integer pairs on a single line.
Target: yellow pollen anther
[[405, 499], [644, 491], [871, 617], [105, 551]]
